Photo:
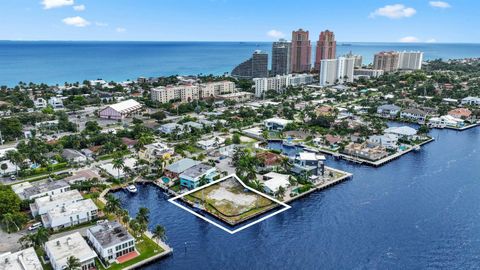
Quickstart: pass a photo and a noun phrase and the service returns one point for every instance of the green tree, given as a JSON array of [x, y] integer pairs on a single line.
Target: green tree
[[159, 233], [118, 163], [73, 263]]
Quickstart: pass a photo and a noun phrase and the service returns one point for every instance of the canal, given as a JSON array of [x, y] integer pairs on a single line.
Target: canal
[[419, 211]]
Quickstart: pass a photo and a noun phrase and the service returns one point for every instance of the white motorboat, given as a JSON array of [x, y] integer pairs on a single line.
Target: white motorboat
[[132, 189]]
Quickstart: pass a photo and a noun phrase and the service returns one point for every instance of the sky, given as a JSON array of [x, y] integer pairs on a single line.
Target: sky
[[452, 21]]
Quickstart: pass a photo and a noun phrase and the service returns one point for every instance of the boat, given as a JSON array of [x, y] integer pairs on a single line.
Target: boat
[[132, 189], [416, 148]]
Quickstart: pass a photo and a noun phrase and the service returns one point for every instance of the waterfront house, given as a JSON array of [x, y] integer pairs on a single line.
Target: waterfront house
[[153, 151], [111, 240], [276, 124], [73, 245], [388, 110], [190, 178], [273, 182], [461, 113], [129, 163], [446, 121], [308, 163], [44, 204], [174, 170], [414, 114], [70, 215], [402, 132], [268, 160], [33, 190], [365, 151], [389, 141], [120, 110], [25, 259]]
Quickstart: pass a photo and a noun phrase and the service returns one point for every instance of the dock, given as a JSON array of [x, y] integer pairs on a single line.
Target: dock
[[376, 163], [323, 184]]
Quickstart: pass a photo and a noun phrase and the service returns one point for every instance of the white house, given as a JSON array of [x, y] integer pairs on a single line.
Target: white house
[[25, 259], [111, 240], [120, 110], [404, 131], [389, 141], [471, 101], [414, 114], [72, 245], [446, 121], [388, 110], [276, 124], [40, 103], [190, 178], [30, 191], [44, 204], [55, 102], [73, 214], [155, 150], [274, 181], [210, 143]]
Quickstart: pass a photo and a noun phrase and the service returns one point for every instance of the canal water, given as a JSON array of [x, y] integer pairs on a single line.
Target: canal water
[[419, 211]]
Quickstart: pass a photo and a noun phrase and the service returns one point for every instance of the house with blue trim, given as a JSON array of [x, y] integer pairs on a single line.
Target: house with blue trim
[[190, 178]]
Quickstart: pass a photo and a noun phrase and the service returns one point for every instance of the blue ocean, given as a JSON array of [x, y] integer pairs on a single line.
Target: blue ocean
[[57, 62]]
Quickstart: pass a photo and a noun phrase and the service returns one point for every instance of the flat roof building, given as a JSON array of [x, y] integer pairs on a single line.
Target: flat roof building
[[111, 240], [72, 245], [44, 204], [71, 215], [21, 260]]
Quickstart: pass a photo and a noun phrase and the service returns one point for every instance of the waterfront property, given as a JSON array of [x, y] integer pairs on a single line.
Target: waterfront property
[[230, 201], [274, 181], [308, 163], [276, 124], [72, 245], [174, 170], [191, 177], [111, 240]]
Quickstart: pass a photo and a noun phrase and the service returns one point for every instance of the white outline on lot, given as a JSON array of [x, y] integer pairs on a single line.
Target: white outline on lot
[[285, 206]]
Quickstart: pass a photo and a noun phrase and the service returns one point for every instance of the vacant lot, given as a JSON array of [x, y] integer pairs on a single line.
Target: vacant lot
[[230, 201]]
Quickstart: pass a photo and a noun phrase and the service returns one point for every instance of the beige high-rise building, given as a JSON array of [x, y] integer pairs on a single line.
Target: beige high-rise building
[[183, 93], [386, 61], [213, 89]]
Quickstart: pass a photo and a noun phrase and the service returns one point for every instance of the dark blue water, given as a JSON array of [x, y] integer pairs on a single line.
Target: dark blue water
[[58, 62], [420, 211]]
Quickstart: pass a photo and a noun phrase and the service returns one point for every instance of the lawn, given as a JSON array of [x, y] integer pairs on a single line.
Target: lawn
[[231, 202], [145, 246]]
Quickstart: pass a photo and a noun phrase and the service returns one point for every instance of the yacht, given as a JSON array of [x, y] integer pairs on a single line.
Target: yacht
[[132, 189]]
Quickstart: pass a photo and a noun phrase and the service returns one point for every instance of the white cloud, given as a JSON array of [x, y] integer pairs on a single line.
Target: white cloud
[[439, 4], [101, 24], [432, 40], [79, 7], [409, 39], [275, 34], [48, 4], [120, 30], [396, 11], [76, 21]]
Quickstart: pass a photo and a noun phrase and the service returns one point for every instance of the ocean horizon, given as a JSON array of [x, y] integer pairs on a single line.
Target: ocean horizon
[[57, 62]]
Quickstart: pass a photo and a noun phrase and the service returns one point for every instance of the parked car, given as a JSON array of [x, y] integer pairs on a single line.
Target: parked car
[[35, 226], [13, 177]]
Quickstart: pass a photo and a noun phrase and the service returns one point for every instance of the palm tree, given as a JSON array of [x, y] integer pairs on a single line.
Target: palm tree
[[73, 263], [15, 158], [26, 241], [143, 215], [159, 233], [40, 237], [280, 192], [118, 163], [203, 181], [256, 184], [113, 204]]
